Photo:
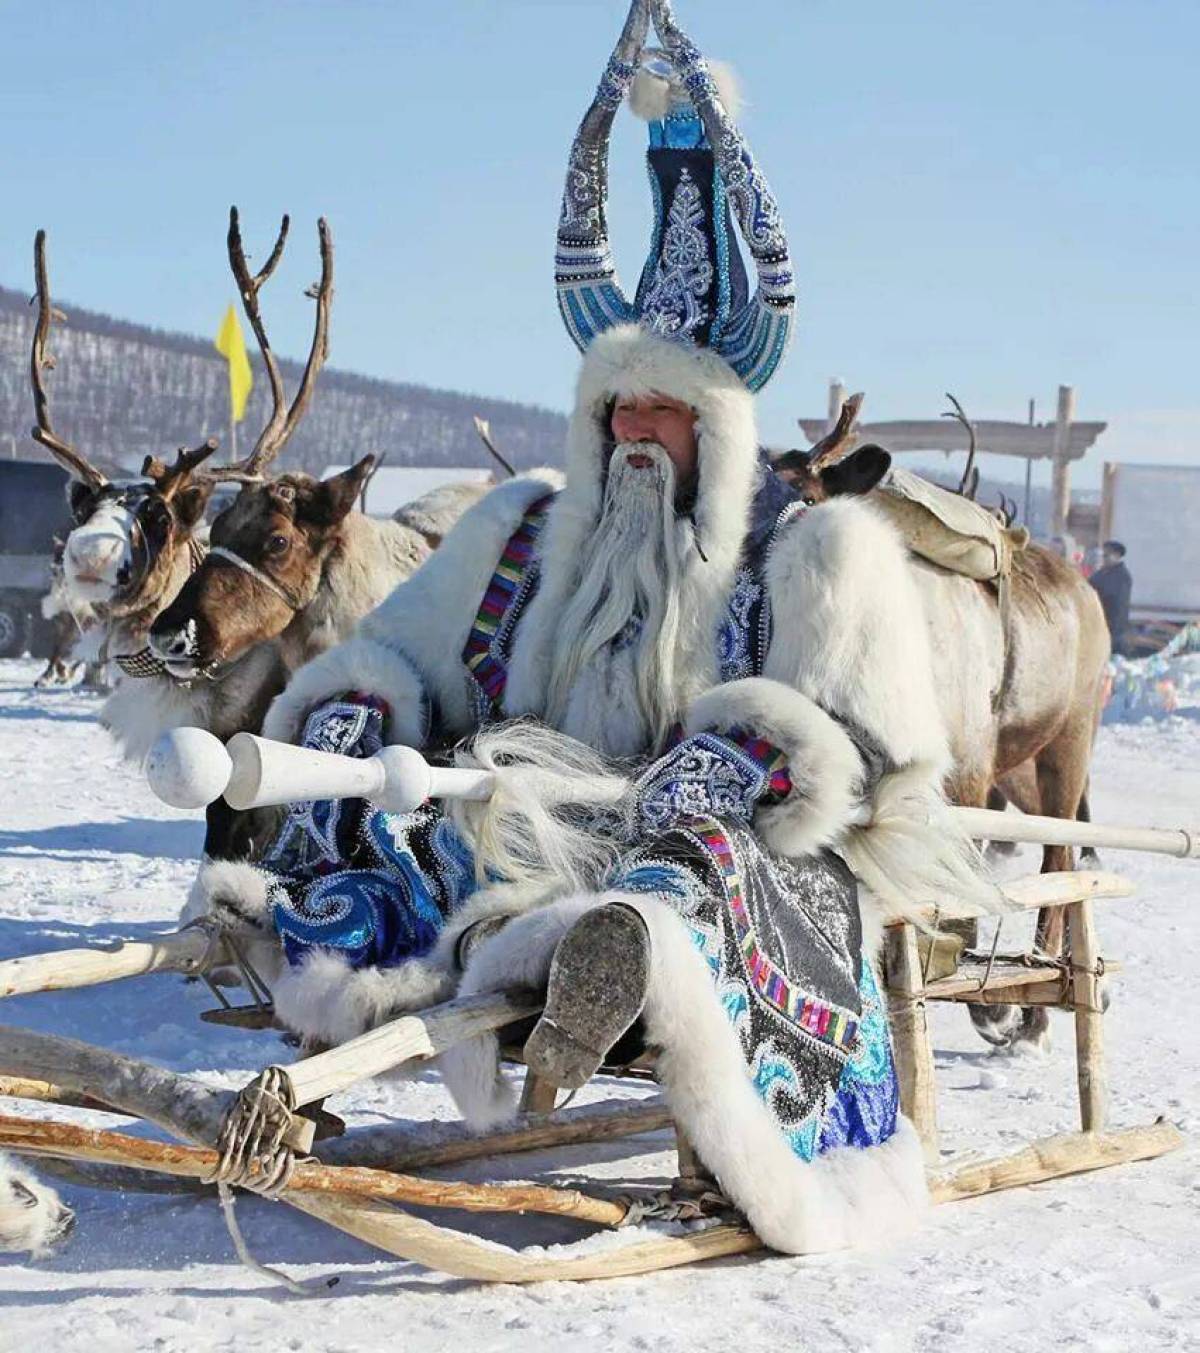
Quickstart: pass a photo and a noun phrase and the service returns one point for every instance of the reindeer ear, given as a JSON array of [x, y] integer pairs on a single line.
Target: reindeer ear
[[858, 472], [335, 497], [190, 502]]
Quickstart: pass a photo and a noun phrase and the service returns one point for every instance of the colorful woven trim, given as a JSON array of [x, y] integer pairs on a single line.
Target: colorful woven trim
[[828, 1024], [487, 668], [773, 761]]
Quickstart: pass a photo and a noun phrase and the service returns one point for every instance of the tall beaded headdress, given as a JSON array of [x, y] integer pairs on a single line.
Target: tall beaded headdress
[[693, 288]]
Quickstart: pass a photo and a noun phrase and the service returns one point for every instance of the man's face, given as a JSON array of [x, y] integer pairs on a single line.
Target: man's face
[[1111, 557], [657, 418]]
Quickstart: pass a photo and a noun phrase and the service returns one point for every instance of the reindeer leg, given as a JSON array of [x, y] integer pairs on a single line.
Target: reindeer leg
[[995, 1024], [1062, 776]]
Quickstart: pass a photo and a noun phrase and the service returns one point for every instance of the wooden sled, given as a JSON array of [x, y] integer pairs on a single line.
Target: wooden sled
[[366, 1197]]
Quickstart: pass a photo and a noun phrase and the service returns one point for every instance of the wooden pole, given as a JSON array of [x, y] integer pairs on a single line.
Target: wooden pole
[[177, 1103], [1089, 1017], [451, 1143], [60, 970], [910, 1035], [42, 1092], [115, 1148], [409, 1038], [987, 824], [538, 1096], [1053, 1158], [1060, 504]]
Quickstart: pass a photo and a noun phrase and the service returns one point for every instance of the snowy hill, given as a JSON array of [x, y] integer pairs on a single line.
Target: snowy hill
[[121, 391]]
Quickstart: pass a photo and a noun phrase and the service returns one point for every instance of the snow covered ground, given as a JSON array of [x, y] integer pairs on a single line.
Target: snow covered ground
[[1109, 1261]]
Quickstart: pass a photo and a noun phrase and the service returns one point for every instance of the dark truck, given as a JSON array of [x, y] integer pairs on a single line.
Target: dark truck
[[33, 510]]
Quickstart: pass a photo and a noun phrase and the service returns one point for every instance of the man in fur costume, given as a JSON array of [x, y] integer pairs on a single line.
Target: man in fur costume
[[726, 723]]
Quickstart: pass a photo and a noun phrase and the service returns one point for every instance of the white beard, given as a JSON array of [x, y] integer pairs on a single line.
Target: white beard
[[618, 695]]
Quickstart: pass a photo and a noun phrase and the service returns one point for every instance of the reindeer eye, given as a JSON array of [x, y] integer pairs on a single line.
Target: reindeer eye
[[808, 500], [277, 544]]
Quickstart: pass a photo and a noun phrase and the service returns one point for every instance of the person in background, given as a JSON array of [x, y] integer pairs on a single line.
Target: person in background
[[1114, 583]]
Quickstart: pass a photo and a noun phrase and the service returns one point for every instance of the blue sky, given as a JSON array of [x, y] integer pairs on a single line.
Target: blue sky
[[989, 198]]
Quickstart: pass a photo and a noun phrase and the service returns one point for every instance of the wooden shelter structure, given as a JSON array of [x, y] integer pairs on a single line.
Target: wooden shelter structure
[[1060, 442]]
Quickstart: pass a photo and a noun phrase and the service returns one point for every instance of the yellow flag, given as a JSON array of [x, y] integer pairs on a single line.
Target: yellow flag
[[232, 346]]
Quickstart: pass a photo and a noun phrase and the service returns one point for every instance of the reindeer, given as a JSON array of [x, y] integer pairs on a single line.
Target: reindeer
[[134, 541], [1021, 708], [291, 567]]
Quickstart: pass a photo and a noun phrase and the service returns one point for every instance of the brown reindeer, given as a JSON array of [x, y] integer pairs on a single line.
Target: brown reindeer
[[292, 566], [290, 559], [1021, 710]]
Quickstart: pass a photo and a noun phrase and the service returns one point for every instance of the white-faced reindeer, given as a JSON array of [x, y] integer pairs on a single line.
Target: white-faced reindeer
[[1022, 706], [134, 541]]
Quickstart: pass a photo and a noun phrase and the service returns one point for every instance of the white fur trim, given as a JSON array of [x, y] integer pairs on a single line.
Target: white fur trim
[[324, 998], [411, 644], [32, 1216], [824, 764], [844, 1198], [911, 855], [232, 892], [627, 360], [358, 664], [518, 955], [501, 900]]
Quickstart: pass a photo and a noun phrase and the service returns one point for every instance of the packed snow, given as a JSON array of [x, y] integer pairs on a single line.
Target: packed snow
[[1109, 1261]]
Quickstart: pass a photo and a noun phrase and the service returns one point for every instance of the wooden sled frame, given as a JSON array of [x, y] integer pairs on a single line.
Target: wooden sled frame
[[363, 1201]]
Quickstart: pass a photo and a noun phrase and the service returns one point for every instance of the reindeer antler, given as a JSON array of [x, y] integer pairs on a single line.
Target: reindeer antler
[[968, 486], [484, 428], [283, 420], [840, 439], [39, 361], [169, 479]]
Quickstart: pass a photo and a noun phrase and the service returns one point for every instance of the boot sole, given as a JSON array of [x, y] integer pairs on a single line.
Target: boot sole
[[597, 988]]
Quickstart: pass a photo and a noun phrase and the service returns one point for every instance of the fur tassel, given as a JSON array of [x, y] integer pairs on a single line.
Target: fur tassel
[[33, 1219], [911, 855], [650, 94]]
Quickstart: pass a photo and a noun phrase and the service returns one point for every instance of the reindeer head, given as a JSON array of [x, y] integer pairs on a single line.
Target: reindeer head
[[128, 533], [268, 552], [831, 467], [270, 546]]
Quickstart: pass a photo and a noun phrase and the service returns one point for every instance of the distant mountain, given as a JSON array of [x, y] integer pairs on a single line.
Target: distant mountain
[[121, 391]]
